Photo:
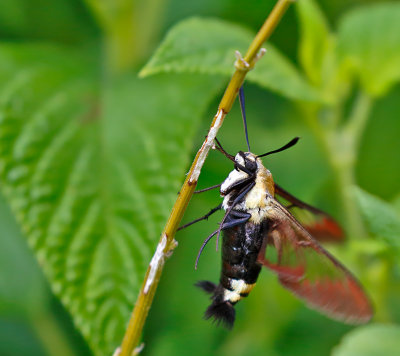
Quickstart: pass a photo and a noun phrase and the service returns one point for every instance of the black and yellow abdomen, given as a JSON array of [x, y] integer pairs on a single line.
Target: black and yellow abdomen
[[239, 273]]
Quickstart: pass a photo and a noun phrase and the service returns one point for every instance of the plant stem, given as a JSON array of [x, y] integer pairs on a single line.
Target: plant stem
[[345, 182], [358, 118], [344, 158], [50, 334], [341, 146], [129, 28], [167, 242], [147, 23]]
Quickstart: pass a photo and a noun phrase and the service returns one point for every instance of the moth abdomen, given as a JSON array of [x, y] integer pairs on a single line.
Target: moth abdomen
[[221, 312]]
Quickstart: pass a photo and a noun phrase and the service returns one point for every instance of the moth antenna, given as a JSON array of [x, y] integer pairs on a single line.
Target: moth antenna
[[226, 154], [288, 145], [243, 110]]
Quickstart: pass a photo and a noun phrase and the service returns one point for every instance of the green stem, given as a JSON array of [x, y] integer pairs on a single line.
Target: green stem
[[358, 118], [130, 27], [50, 334], [381, 281], [147, 27], [119, 45], [340, 146], [345, 181], [344, 159]]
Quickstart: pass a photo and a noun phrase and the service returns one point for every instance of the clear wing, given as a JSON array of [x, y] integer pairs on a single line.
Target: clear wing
[[318, 223], [310, 272]]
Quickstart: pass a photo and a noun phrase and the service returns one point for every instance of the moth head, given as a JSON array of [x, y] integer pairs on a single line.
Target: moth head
[[247, 160]]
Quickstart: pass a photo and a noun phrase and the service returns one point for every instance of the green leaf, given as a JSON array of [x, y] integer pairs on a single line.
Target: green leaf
[[396, 203], [370, 340], [381, 218], [25, 295], [369, 43], [208, 46], [36, 20], [91, 169], [315, 39]]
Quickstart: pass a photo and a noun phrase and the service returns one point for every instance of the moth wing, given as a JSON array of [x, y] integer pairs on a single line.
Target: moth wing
[[310, 272], [318, 223]]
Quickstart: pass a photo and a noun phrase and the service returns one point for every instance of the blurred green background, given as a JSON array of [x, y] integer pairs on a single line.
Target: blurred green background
[[270, 322]]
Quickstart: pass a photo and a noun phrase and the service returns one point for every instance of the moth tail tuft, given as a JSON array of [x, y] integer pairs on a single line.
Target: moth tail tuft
[[207, 286], [221, 312]]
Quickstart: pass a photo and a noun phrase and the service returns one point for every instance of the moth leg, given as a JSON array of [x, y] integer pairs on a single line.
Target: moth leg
[[239, 183], [236, 218], [205, 217], [239, 197], [207, 189], [202, 247]]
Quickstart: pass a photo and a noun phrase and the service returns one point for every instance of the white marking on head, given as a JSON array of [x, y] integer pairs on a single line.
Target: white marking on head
[[233, 177], [239, 159], [237, 174]]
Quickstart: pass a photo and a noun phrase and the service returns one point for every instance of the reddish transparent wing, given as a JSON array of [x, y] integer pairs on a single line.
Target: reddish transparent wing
[[318, 223], [310, 272]]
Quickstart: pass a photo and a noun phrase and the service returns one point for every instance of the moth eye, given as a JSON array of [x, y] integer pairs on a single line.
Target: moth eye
[[251, 166]]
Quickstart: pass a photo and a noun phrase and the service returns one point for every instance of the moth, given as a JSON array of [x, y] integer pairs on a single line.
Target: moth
[[261, 231]]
